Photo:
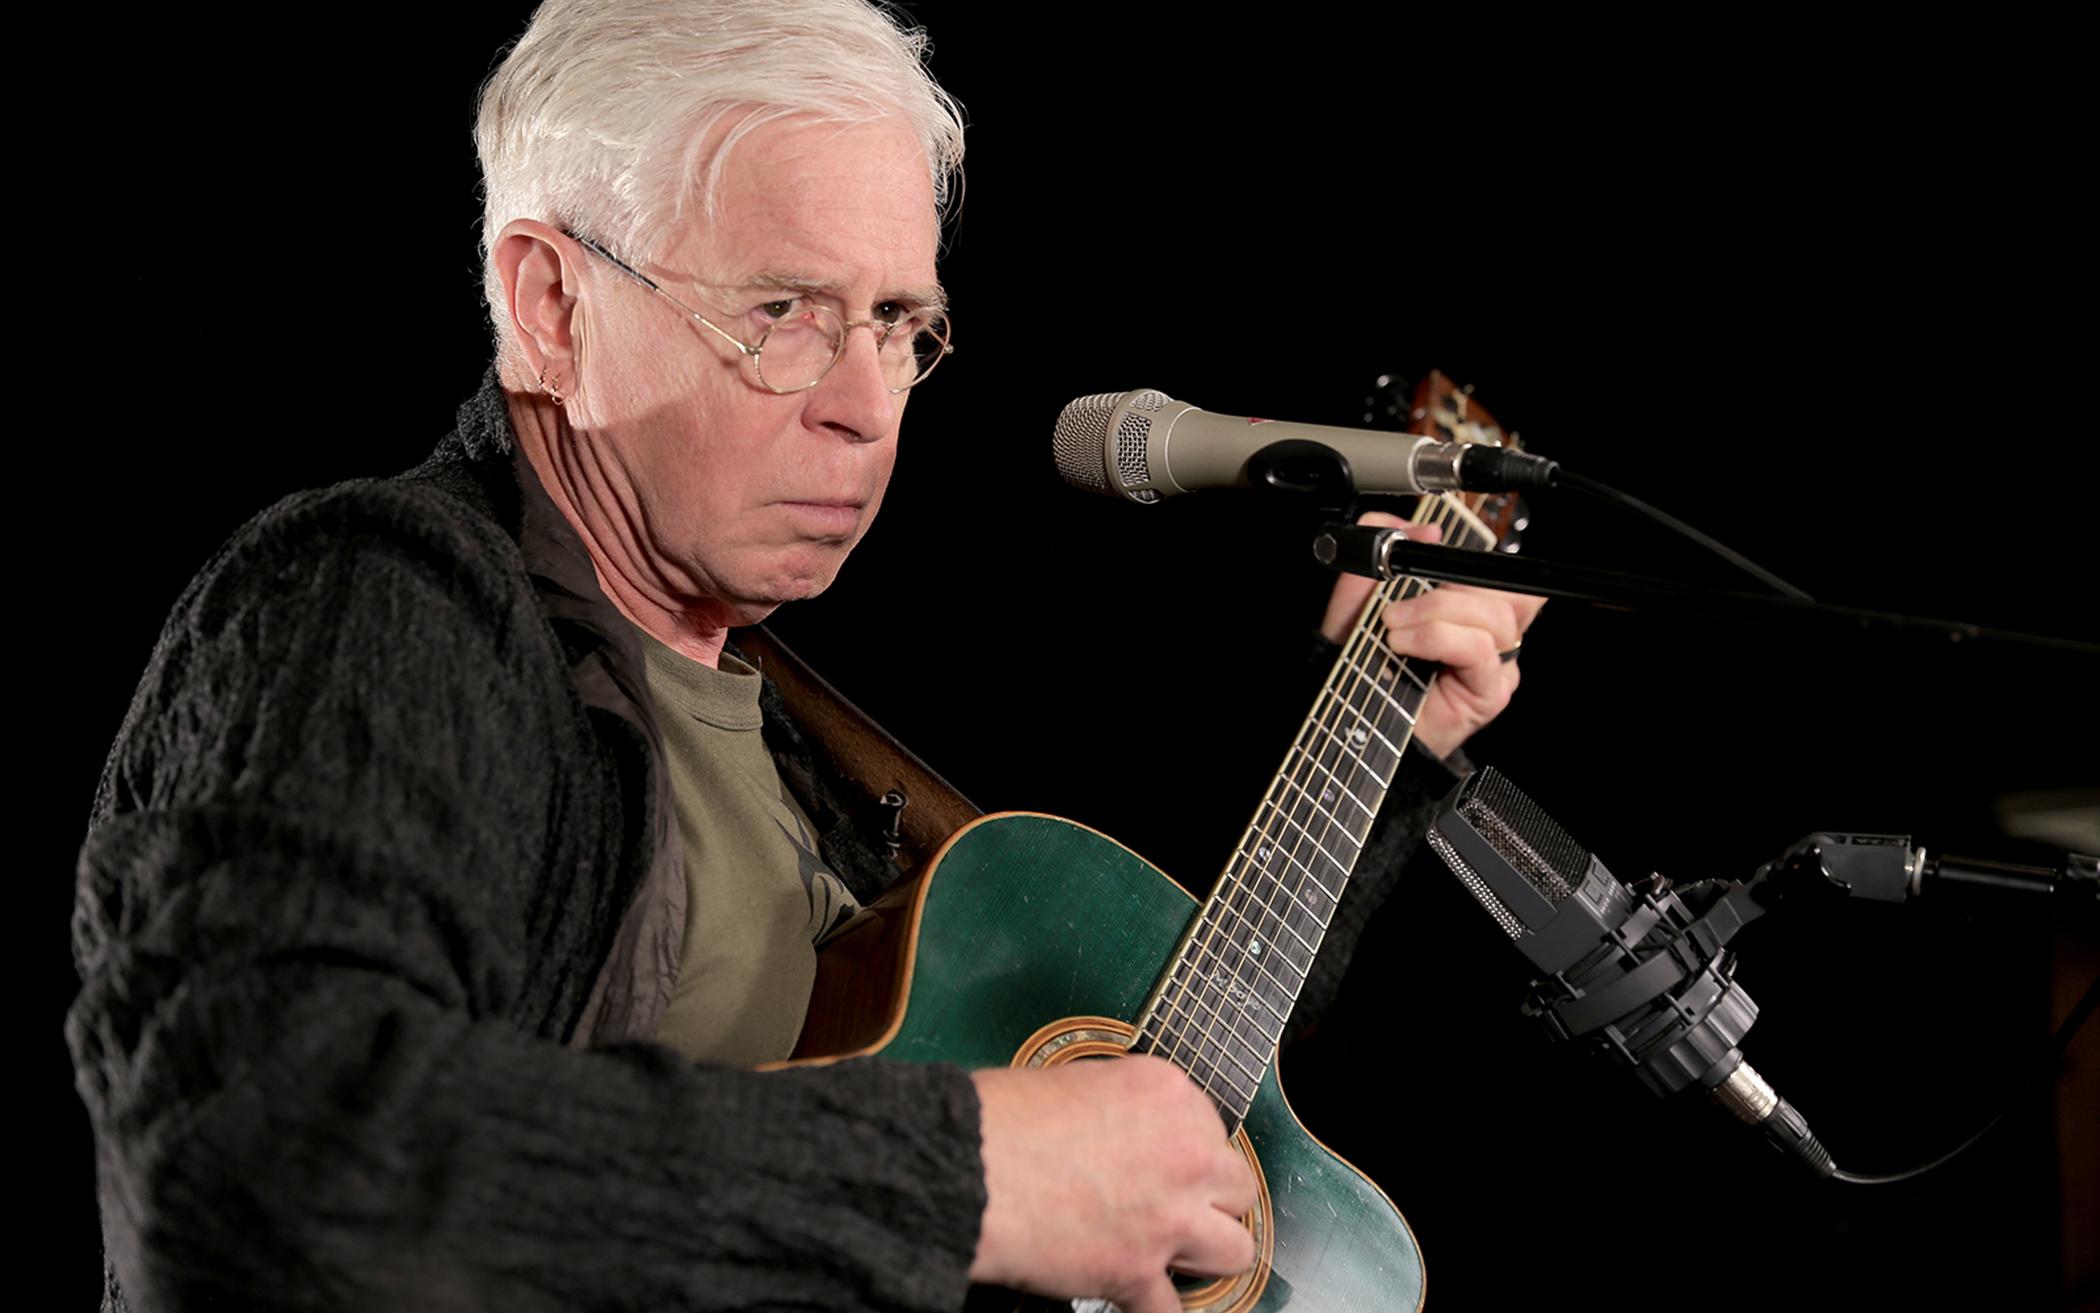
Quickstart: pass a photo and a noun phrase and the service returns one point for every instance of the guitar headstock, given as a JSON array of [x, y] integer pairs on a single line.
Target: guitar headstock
[[1439, 408]]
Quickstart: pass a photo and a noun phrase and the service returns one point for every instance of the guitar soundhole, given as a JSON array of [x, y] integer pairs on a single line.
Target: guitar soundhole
[[1073, 1039]]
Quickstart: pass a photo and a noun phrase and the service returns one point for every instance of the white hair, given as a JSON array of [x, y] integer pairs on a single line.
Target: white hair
[[597, 117]]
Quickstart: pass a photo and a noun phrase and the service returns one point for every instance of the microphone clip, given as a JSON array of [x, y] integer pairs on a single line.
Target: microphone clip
[[1300, 467]]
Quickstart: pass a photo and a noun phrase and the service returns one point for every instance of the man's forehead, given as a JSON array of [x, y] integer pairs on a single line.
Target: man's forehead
[[929, 293], [820, 206]]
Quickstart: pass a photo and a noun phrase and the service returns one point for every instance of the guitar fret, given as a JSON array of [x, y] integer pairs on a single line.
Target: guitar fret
[[1336, 757], [1400, 710], [1347, 698], [1261, 930], [1405, 682], [1198, 1068], [1203, 1058], [1385, 658], [1210, 1049], [1390, 663], [1224, 980], [1227, 985], [1226, 998], [1321, 803], [1282, 921], [1258, 943], [1298, 902], [1384, 652], [1269, 1005], [1257, 1052], [1286, 988], [1369, 810], [1351, 728], [1305, 832], [1302, 770], [1304, 912], [1353, 738], [1306, 835], [1344, 759], [1370, 728]]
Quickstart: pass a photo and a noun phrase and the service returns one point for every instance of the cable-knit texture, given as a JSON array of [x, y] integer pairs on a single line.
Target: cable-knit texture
[[358, 858]]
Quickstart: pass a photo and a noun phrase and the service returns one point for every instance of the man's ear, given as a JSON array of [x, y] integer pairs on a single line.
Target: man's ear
[[537, 266]]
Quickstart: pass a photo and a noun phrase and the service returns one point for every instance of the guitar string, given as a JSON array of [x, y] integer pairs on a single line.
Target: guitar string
[[1324, 806], [1370, 729], [1259, 855], [1281, 984], [1336, 699], [1225, 1051], [1203, 1055], [1335, 779], [1284, 988], [1220, 960], [1190, 998], [1255, 927], [1293, 779], [1264, 852], [1325, 803], [1217, 943], [1297, 775], [1347, 754], [1179, 1013], [1208, 971], [1196, 1061], [1299, 822], [1210, 964], [1290, 825]]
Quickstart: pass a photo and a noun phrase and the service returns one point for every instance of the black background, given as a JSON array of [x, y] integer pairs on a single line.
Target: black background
[[1823, 294]]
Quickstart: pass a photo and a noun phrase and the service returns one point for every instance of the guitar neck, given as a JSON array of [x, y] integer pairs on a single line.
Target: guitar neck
[[1220, 1008]]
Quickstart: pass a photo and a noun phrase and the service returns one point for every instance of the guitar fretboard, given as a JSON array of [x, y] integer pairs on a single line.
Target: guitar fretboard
[[1219, 1010]]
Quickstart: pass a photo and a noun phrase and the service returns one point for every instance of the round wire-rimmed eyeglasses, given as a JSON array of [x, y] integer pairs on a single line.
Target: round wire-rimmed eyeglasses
[[799, 349]]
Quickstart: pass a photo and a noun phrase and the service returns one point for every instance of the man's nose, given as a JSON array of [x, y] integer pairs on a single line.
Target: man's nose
[[854, 399]]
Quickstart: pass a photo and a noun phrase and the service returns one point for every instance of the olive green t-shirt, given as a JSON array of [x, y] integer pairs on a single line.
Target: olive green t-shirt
[[759, 897]]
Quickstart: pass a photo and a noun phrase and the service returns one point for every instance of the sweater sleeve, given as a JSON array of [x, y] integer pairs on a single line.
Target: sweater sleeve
[[318, 1075], [1421, 782]]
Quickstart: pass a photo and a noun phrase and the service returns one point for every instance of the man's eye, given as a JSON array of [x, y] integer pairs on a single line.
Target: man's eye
[[889, 312], [777, 310]]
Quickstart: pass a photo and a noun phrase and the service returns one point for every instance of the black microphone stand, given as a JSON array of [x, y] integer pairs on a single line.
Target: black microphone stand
[[1388, 554], [1316, 473]]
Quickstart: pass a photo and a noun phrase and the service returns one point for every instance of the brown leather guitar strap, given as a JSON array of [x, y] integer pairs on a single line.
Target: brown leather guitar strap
[[924, 809]]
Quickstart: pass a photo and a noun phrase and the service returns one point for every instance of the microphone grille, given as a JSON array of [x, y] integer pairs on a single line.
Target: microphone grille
[[1085, 456], [1474, 884], [1527, 838], [1082, 435]]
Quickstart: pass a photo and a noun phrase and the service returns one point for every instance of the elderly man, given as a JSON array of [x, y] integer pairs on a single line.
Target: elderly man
[[443, 887]]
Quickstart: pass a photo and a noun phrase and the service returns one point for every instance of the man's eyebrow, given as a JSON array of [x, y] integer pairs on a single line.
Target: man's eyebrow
[[931, 297]]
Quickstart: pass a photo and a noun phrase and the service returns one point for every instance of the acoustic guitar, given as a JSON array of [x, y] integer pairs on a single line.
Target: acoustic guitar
[[1031, 940]]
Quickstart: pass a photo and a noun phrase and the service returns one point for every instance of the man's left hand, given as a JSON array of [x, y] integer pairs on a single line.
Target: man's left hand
[[1467, 629]]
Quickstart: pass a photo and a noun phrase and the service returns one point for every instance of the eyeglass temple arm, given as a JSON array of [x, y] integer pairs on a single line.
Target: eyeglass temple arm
[[650, 283]]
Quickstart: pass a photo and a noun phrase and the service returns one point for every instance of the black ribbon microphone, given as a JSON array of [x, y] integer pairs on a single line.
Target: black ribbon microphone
[[1641, 975]]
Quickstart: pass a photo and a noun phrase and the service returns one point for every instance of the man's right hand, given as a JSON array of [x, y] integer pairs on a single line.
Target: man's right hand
[[1102, 1175]]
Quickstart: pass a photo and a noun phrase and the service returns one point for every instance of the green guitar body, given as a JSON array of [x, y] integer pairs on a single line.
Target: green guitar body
[[1027, 919]]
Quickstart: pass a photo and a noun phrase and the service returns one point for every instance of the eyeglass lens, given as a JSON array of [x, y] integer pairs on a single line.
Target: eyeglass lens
[[798, 350]]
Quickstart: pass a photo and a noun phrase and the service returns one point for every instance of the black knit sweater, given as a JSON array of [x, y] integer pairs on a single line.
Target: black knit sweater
[[360, 856], [357, 860]]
